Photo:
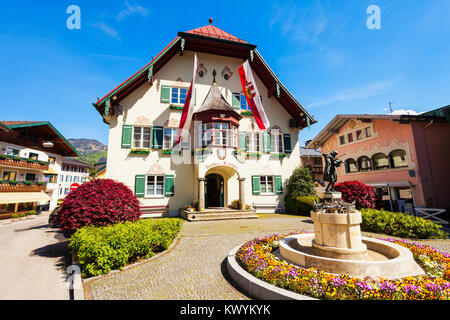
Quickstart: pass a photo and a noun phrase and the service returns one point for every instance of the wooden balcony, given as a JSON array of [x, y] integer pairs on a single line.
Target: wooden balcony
[[19, 162], [21, 186]]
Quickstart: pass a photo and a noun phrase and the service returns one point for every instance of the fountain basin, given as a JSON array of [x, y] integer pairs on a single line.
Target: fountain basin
[[382, 259]]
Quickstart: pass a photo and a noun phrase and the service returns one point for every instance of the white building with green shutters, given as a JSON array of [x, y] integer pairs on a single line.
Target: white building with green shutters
[[227, 159]]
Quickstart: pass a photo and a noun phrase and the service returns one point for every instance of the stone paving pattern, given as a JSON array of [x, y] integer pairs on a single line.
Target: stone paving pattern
[[193, 269]]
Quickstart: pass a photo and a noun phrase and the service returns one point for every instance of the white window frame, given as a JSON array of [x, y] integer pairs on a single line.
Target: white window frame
[[12, 148], [169, 144], [141, 137], [266, 183], [254, 142], [280, 140], [155, 179]]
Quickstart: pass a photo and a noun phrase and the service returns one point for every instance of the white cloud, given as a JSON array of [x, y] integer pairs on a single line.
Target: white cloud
[[369, 90], [132, 9], [405, 111], [107, 29]]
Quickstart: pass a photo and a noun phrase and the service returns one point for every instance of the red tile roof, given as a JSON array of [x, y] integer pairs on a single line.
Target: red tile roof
[[214, 32]]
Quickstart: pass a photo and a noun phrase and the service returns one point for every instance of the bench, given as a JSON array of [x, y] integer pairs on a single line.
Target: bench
[[267, 207], [154, 211]]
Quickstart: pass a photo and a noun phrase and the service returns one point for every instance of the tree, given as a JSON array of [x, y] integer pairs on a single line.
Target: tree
[[301, 183]]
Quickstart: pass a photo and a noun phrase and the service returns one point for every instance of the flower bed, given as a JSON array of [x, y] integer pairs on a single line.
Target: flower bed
[[256, 258]]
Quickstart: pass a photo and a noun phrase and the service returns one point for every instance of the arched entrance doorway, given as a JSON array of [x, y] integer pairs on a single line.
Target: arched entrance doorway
[[214, 190]]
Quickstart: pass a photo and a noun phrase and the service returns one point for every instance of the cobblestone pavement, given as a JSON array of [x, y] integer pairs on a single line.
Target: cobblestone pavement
[[194, 268]]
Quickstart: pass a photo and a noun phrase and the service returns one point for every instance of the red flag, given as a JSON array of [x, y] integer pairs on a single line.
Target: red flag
[[252, 95], [188, 108]]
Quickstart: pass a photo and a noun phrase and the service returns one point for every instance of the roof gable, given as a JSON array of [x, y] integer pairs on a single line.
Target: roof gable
[[210, 40]]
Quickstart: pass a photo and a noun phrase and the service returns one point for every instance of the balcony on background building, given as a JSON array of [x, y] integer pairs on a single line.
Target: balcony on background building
[[14, 161], [21, 186]]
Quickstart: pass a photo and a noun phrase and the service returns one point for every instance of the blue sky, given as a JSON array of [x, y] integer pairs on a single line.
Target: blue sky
[[321, 50]]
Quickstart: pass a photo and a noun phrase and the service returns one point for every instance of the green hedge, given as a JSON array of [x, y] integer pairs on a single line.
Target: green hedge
[[99, 250], [300, 205], [400, 225]]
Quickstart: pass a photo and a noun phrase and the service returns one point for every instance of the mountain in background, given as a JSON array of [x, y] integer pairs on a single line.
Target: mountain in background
[[90, 150]]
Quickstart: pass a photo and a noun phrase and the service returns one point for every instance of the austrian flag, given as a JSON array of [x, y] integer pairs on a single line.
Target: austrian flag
[[188, 108], [252, 95]]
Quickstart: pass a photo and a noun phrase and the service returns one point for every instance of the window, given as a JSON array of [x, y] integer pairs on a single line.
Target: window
[[170, 136], [30, 177], [380, 161], [358, 135], [9, 175], [51, 160], [178, 95], [154, 186], [141, 137], [368, 132], [206, 134], [253, 142], [350, 166], [10, 151], [350, 137], [342, 140], [221, 133], [364, 163], [33, 156], [276, 141], [244, 105], [398, 159], [266, 184]]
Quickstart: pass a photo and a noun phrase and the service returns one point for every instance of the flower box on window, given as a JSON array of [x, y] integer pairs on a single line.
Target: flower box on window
[[176, 107], [254, 154], [140, 151], [238, 152], [278, 155], [246, 113], [167, 151]]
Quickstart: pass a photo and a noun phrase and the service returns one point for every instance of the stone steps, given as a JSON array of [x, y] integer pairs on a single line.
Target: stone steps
[[219, 214]]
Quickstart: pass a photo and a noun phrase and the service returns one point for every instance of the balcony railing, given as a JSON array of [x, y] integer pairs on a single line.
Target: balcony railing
[[13, 161], [21, 186]]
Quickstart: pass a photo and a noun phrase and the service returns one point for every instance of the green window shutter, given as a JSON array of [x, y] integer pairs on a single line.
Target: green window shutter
[[266, 142], [139, 186], [169, 185], [126, 135], [256, 185], [165, 94], [157, 137], [287, 143], [278, 185], [235, 100], [242, 140]]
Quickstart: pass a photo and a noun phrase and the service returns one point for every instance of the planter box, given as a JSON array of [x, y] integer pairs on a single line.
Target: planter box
[[24, 163]]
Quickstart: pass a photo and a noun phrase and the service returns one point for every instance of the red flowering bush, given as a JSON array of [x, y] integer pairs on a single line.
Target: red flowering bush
[[99, 202], [362, 194]]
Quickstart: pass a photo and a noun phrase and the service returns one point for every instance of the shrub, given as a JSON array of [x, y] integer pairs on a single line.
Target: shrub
[[99, 250], [400, 225], [98, 202], [300, 183], [358, 192], [300, 205]]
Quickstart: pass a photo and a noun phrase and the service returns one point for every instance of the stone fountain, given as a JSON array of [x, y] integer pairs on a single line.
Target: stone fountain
[[338, 247]]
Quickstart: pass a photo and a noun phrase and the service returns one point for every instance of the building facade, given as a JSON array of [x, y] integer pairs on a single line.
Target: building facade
[[227, 158], [404, 157], [31, 155], [312, 159], [72, 171]]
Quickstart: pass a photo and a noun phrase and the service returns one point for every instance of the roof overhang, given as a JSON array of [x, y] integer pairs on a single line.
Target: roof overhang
[[200, 43], [47, 132]]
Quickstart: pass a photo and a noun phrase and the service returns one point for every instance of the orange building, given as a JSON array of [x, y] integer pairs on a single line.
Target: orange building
[[406, 158]]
